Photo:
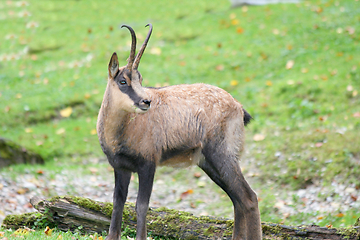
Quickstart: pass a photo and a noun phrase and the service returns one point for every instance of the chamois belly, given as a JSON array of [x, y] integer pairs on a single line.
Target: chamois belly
[[182, 159]]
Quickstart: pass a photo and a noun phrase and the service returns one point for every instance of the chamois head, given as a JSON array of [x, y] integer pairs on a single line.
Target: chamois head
[[126, 81]]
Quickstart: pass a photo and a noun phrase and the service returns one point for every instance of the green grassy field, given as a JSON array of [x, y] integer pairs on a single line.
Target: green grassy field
[[294, 67]]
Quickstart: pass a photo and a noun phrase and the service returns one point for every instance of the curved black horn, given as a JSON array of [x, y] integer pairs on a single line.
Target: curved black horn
[[142, 49], [133, 47]]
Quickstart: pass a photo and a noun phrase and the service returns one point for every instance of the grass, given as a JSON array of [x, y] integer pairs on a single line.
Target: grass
[[47, 234], [55, 234], [295, 68]]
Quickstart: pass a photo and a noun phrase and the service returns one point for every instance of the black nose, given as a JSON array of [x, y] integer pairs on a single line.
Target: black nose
[[146, 101]]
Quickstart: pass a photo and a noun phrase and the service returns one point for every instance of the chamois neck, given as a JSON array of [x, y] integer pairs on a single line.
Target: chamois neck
[[111, 120]]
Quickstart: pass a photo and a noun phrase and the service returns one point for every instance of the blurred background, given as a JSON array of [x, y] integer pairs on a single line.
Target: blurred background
[[294, 66]]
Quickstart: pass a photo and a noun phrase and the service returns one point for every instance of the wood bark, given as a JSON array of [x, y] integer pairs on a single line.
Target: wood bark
[[71, 213]]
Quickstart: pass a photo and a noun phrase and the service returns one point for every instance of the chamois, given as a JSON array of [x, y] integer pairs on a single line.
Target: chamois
[[140, 128]]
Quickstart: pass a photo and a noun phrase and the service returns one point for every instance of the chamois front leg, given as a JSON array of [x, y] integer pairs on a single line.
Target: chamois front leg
[[146, 174], [122, 180]]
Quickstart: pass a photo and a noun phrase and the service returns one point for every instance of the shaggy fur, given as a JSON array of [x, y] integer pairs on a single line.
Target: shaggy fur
[[142, 128]]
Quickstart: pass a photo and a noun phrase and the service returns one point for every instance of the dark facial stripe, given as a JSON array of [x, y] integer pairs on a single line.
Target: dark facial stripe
[[128, 90]]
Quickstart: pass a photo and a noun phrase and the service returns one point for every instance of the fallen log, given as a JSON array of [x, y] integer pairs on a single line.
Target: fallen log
[[12, 153], [73, 213]]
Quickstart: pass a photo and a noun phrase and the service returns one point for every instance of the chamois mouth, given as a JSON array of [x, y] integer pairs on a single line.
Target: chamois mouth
[[144, 109]]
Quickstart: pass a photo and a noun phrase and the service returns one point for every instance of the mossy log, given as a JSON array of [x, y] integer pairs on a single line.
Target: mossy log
[[12, 153], [72, 213]]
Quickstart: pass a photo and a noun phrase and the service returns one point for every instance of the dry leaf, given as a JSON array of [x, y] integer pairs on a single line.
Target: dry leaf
[[33, 57], [258, 137], [234, 21], [21, 231], [239, 30], [333, 72], [350, 30], [197, 175], [48, 231], [304, 70], [60, 131], [201, 184], [290, 64], [93, 170], [318, 10], [220, 67], [155, 51], [340, 215], [279, 205], [263, 56], [93, 132], [324, 77], [276, 31], [184, 194], [21, 191], [28, 130], [66, 112], [269, 83], [234, 83], [357, 115], [339, 54]]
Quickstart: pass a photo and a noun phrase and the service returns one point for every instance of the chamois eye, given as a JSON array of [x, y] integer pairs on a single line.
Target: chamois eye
[[122, 82]]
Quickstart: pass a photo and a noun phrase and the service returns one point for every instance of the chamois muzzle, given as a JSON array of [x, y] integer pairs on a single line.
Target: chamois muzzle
[[144, 104]]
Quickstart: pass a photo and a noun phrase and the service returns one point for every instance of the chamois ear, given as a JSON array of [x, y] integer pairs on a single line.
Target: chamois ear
[[113, 65]]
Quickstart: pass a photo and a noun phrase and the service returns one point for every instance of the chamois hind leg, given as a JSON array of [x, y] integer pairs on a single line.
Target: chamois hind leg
[[224, 170], [122, 180], [146, 174]]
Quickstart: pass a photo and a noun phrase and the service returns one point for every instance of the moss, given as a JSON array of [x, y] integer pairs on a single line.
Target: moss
[[26, 219], [275, 230], [210, 231], [271, 229], [181, 224], [128, 212], [357, 223], [4, 153], [105, 208], [86, 203], [348, 232]]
